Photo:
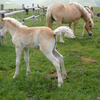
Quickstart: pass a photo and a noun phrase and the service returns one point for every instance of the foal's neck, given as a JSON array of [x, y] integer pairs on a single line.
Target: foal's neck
[[12, 28]]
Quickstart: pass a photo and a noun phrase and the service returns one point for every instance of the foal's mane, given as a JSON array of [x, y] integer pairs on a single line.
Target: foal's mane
[[13, 21], [85, 12]]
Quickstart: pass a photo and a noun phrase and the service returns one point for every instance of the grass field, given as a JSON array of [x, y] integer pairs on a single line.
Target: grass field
[[82, 64]]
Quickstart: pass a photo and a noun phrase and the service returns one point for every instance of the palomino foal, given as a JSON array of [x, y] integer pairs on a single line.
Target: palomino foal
[[25, 38]]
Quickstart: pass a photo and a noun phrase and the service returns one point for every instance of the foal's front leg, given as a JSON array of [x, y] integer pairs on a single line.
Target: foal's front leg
[[26, 57], [18, 57], [61, 39], [59, 24]]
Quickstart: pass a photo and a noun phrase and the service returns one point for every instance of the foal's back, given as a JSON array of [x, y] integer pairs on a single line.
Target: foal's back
[[30, 38]]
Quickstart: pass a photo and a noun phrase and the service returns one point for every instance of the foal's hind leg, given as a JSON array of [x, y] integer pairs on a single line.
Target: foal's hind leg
[[60, 57], [26, 57], [18, 57], [55, 62]]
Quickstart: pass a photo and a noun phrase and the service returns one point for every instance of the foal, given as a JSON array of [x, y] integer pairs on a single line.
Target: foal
[[25, 38]]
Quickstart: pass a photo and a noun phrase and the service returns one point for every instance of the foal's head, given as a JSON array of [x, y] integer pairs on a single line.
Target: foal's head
[[88, 26], [3, 28], [9, 25]]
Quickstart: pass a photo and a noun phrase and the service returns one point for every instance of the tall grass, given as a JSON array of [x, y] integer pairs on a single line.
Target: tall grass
[[82, 63]]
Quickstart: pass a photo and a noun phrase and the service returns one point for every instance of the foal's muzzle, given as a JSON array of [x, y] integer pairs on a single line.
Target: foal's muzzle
[[89, 33]]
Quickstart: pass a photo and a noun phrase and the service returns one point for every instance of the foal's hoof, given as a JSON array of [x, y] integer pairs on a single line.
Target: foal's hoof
[[64, 76], [62, 42], [27, 73], [65, 36], [60, 83], [15, 76]]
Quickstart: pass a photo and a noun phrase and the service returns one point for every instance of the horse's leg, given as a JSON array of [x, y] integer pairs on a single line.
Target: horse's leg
[[59, 24], [60, 57], [83, 29], [26, 57], [55, 62], [70, 25], [18, 57], [75, 23]]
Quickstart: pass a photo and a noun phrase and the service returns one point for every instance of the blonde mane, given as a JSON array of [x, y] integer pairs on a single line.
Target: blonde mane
[[85, 12], [14, 22], [88, 9]]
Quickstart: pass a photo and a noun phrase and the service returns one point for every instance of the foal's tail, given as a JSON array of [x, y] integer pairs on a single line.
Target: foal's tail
[[63, 29]]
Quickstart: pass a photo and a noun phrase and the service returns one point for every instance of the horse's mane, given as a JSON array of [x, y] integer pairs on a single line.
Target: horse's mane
[[85, 12], [88, 9], [14, 22]]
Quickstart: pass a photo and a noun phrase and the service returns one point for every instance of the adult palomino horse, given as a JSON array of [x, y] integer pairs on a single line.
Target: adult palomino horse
[[68, 13], [91, 14], [25, 38]]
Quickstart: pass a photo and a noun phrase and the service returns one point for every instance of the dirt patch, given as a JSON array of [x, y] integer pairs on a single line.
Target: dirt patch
[[53, 74], [98, 98], [84, 59], [75, 52]]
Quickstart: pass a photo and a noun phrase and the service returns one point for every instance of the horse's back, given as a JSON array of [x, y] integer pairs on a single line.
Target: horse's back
[[65, 13], [54, 12], [56, 9]]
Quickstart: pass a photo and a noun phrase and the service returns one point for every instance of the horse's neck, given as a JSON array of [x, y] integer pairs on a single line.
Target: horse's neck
[[84, 18]]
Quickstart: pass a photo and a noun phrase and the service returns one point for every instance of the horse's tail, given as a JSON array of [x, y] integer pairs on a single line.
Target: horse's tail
[[49, 20], [63, 29]]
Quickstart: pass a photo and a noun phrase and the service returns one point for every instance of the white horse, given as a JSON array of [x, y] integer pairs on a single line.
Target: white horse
[[25, 38]]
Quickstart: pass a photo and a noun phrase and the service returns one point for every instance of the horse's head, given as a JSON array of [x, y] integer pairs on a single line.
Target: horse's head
[[3, 28], [88, 26]]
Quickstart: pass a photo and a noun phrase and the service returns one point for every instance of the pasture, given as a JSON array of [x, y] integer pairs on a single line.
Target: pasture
[[82, 64]]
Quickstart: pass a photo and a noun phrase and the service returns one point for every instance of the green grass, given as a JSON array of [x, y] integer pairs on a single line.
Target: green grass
[[82, 63]]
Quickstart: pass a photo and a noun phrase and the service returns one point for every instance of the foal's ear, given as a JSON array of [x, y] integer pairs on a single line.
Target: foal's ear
[[1, 19]]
